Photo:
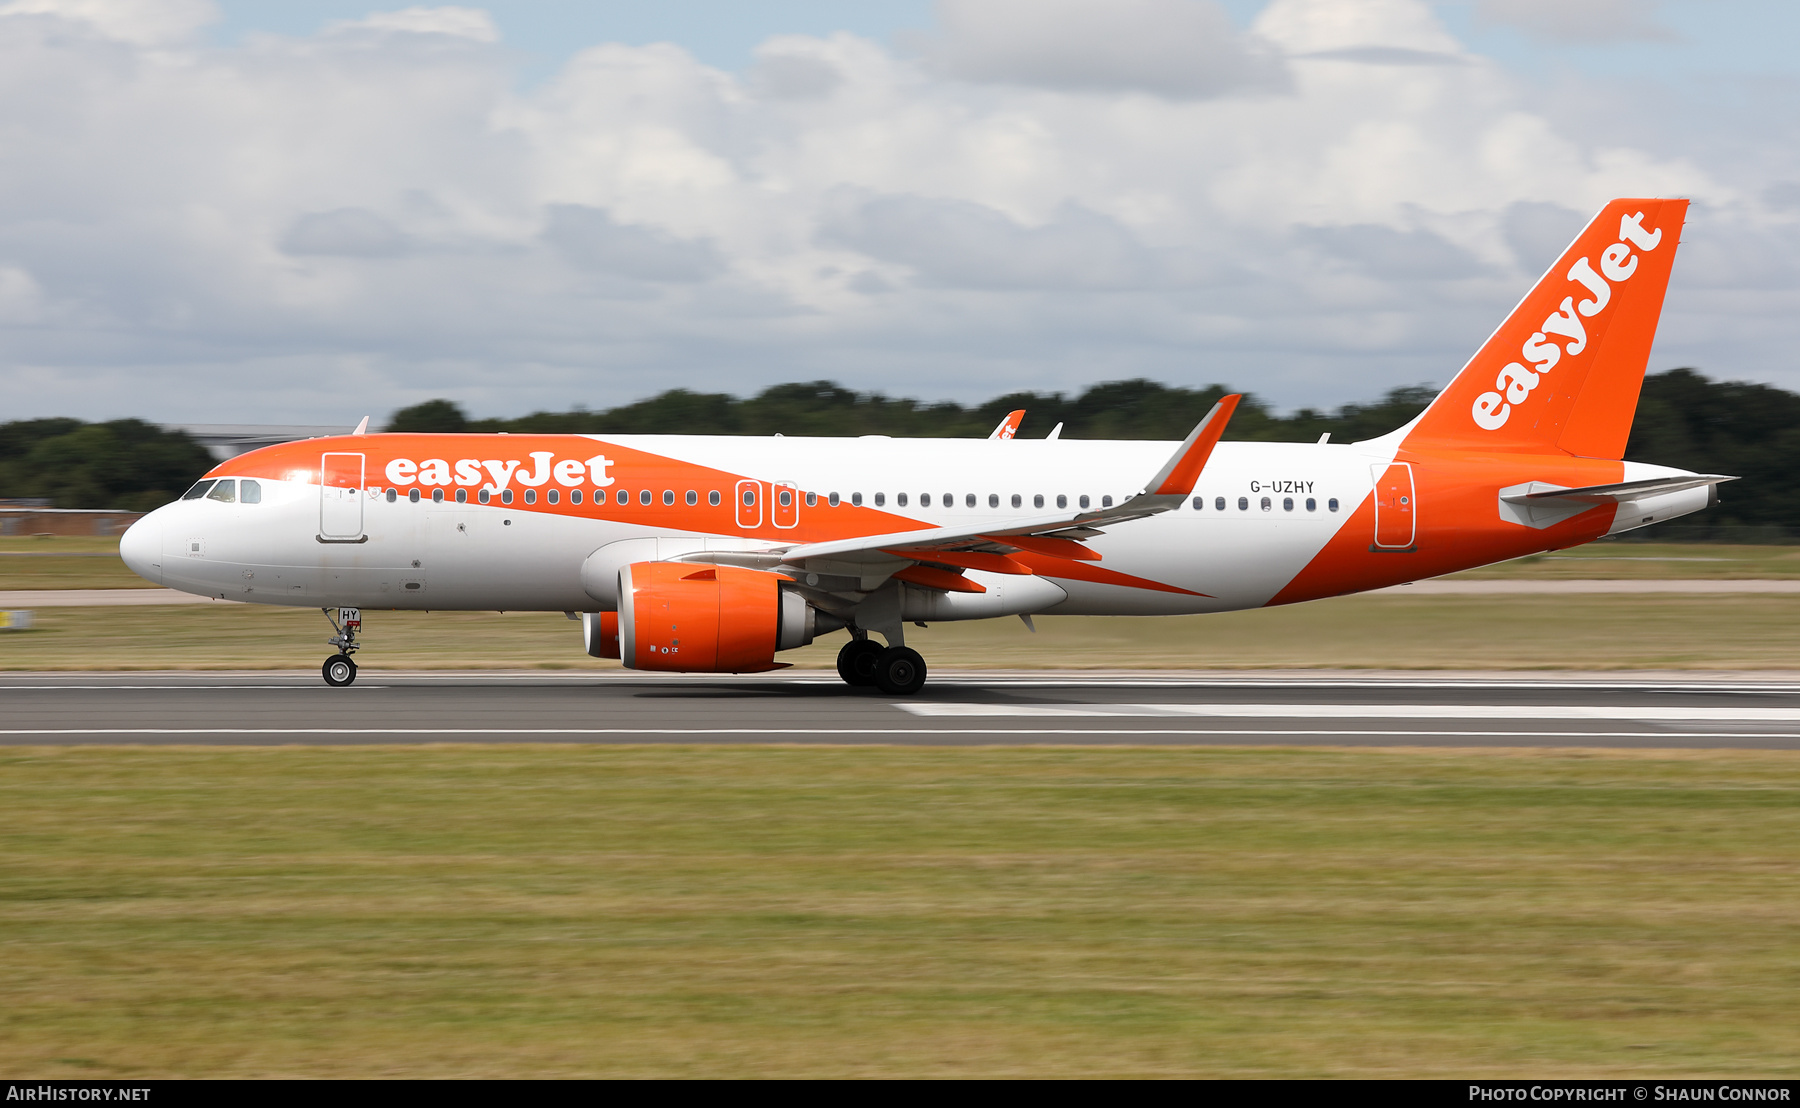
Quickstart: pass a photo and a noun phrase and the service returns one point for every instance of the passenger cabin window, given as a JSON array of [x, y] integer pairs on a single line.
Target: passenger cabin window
[[1106, 501], [393, 495], [483, 496], [1017, 500], [551, 497], [668, 498], [993, 500], [437, 496], [812, 500], [249, 492], [574, 496], [1332, 503], [1243, 503], [898, 500], [856, 499], [713, 498], [880, 499], [1199, 503], [1266, 505], [1037, 501], [832, 500], [1287, 503], [1218, 503], [693, 498], [1083, 501], [412, 496], [786, 497], [924, 500], [969, 500], [750, 498], [198, 491], [623, 498], [1311, 504], [225, 492], [506, 496], [644, 497], [1062, 501]]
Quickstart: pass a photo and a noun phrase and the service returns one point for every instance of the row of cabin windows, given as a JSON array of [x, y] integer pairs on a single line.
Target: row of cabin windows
[[1267, 505], [230, 490]]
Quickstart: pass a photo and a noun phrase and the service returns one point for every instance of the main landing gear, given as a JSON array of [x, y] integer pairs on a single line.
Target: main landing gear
[[338, 669], [894, 670]]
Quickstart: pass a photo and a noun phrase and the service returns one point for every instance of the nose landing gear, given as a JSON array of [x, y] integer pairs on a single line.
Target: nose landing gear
[[339, 670]]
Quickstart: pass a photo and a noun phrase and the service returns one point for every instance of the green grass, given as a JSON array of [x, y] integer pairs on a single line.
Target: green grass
[[592, 911], [1369, 632], [59, 562], [1636, 560]]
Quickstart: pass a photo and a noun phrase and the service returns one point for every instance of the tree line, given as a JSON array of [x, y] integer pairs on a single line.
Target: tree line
[[1684, 419]]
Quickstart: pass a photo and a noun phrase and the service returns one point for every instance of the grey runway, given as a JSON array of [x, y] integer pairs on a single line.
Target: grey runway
[[1032, 708]]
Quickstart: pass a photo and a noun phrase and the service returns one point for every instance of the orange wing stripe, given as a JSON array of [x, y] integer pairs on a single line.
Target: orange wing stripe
[[1056, 548], [967, 559], [932, 578], [1083, 571]]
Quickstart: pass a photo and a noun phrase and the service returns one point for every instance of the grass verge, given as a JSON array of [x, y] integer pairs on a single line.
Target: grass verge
[[1366, 632], [592, 911]]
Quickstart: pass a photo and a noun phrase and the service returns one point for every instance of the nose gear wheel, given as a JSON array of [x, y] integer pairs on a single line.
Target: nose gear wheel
[[339, 671]]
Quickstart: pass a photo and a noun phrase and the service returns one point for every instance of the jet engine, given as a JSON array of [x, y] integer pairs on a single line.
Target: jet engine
[[710, 619]]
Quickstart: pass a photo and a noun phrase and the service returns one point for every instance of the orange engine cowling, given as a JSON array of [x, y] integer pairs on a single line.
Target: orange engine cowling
[[707, 619]]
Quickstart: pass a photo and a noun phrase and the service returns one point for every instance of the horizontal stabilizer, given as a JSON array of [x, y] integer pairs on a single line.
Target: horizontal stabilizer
[[1616, 494]]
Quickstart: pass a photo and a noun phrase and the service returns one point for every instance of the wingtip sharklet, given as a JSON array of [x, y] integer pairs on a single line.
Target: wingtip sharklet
[[1177, 478]]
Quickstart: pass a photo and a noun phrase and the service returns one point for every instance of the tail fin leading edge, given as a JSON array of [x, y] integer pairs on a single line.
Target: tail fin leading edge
[[1563, 372]]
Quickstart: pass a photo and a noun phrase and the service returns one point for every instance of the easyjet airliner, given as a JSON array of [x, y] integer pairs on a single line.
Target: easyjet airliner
[[713, 554]]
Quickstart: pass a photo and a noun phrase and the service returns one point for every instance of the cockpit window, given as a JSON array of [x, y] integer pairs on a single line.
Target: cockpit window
[[198, 491], [225, 492], [250, 492]]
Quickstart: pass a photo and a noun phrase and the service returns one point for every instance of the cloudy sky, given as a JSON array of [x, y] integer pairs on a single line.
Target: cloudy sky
[[221, 210]]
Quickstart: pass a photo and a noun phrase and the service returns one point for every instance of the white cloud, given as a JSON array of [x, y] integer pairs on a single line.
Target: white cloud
[[140, 22], [956, 244], [347, 233], [1577, 21], [1182, 48], [468, 23], [589, 237], [377, 214]]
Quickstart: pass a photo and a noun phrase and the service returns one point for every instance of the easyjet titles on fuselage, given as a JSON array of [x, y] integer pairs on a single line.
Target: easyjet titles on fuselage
[[468, 472]]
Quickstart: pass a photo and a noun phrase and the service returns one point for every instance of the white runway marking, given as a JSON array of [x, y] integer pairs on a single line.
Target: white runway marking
[[860, 732], [1365, 711], [166, 688]]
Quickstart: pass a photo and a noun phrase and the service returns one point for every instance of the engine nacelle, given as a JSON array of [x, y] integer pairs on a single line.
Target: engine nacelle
[[710, 619], [600, 633]]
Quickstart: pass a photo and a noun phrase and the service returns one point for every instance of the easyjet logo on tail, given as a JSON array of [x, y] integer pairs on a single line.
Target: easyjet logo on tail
[[1540, 352]]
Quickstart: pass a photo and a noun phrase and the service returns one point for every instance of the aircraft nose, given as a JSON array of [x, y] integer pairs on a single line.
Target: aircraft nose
[[141, 547]]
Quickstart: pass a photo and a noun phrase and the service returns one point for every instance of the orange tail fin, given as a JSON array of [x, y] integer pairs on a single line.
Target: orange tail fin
[[1562, 374]]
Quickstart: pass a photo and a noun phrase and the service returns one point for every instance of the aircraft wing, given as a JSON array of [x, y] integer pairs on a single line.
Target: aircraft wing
[[1058, 534]]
